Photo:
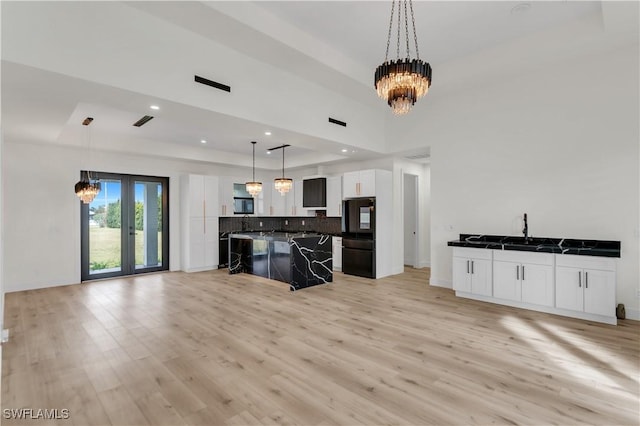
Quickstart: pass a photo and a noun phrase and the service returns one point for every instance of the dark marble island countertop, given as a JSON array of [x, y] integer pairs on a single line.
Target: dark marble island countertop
[[298, 258], [540, 244]]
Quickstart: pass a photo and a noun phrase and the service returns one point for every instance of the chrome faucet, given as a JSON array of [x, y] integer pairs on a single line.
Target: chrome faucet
[[525, 231]]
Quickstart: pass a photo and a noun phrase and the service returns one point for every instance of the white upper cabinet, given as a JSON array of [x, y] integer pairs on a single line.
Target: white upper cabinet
[[334, 196], [297, 209], [226, 196], [360, 183]]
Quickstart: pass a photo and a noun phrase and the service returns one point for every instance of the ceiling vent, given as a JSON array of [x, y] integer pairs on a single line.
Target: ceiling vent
[[338, 122], [212, 83], [143, 120], [417, 156]]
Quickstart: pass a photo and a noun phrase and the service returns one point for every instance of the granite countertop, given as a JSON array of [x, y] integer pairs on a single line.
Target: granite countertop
[[540, 244]]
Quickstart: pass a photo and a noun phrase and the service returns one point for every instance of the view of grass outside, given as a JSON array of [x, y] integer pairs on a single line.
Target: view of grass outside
[[104, 248], [105, 222]]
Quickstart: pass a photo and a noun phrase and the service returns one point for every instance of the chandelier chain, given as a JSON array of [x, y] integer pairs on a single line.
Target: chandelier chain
[[406, 28], [398, 39], [415, 36], [254, 160], [386, 55]]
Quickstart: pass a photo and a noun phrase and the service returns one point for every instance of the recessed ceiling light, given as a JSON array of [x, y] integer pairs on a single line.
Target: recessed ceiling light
[[267, 133], [156, 107], [345, 150], [268, 152], [203, 141]]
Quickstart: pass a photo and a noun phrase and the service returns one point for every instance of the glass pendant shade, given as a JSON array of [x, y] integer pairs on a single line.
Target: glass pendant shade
[[253, 187], [283, 185], [86, 188], [403, 81]]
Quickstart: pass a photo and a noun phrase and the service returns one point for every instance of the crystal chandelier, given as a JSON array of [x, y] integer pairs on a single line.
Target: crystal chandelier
[[403, 81], [87, 187], [282, 184], [253, 187]]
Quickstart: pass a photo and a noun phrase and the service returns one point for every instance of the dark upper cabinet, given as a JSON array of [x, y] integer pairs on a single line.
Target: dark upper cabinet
[[314, 192]]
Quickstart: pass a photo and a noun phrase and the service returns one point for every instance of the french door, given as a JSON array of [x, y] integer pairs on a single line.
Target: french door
[[125, 229]]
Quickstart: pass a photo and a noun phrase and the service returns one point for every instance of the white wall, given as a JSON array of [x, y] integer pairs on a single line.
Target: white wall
[[42, 241], [560, 143]]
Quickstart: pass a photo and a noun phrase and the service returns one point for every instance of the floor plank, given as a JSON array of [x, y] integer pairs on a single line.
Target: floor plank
[[217, 349]]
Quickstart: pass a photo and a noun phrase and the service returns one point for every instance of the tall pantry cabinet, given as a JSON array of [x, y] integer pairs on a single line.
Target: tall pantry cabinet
[[199, 222]]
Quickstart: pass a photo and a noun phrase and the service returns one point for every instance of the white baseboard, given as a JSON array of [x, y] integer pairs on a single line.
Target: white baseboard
[[440, 283], [632, 314], [38, 286], [424, 264]]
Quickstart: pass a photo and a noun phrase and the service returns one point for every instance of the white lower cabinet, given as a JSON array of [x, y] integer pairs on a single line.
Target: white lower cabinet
[[586, 285], [336, 242], [472, 270], [523, 277], [570, 285]]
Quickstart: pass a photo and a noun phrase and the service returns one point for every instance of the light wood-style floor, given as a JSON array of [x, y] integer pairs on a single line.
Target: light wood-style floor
[[213, 349]]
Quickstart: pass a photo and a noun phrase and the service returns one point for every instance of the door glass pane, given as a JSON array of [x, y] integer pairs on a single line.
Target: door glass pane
[[148, 224], [105, 218]]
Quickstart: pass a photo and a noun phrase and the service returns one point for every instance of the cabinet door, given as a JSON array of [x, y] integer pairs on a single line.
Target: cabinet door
[[196, 243], [225, 195], [350, 184], [506, 281], [367, 183], [537, 284], [196, 196], [334, 196], [277, 207], [462, 274], [211, 198], [298, 210], [599, 292], [569, 290], [211, 242], [337, 253], [481, 277]]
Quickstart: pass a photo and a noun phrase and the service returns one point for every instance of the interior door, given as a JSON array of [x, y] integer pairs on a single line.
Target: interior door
[[125, 228]]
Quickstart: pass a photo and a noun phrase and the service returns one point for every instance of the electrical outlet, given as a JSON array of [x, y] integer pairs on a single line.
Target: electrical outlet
[[260, 224], [303, 223], [286, 221]]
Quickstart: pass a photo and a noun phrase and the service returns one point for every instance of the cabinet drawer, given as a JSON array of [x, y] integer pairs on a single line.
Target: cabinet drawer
[[586, 262], [476, 253], [524, 257]]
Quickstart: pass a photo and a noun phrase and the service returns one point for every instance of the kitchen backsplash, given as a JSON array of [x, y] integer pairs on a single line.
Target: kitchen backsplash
[[322, 225]]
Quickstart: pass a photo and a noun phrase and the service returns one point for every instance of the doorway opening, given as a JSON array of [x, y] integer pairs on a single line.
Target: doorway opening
[[411, 228], [125, 229]]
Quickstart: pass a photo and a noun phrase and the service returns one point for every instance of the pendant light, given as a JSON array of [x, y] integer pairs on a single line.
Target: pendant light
[[282, 184], [403, 81], [253, 187], [87, 188]]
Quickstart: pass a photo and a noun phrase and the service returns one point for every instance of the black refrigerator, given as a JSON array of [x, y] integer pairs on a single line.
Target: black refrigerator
[[359, 237]]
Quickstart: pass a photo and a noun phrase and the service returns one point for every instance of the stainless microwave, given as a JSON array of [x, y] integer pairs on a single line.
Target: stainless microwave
[[242, 205]]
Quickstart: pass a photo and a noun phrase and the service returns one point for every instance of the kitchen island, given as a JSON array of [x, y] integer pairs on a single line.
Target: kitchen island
[[298, 259]]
